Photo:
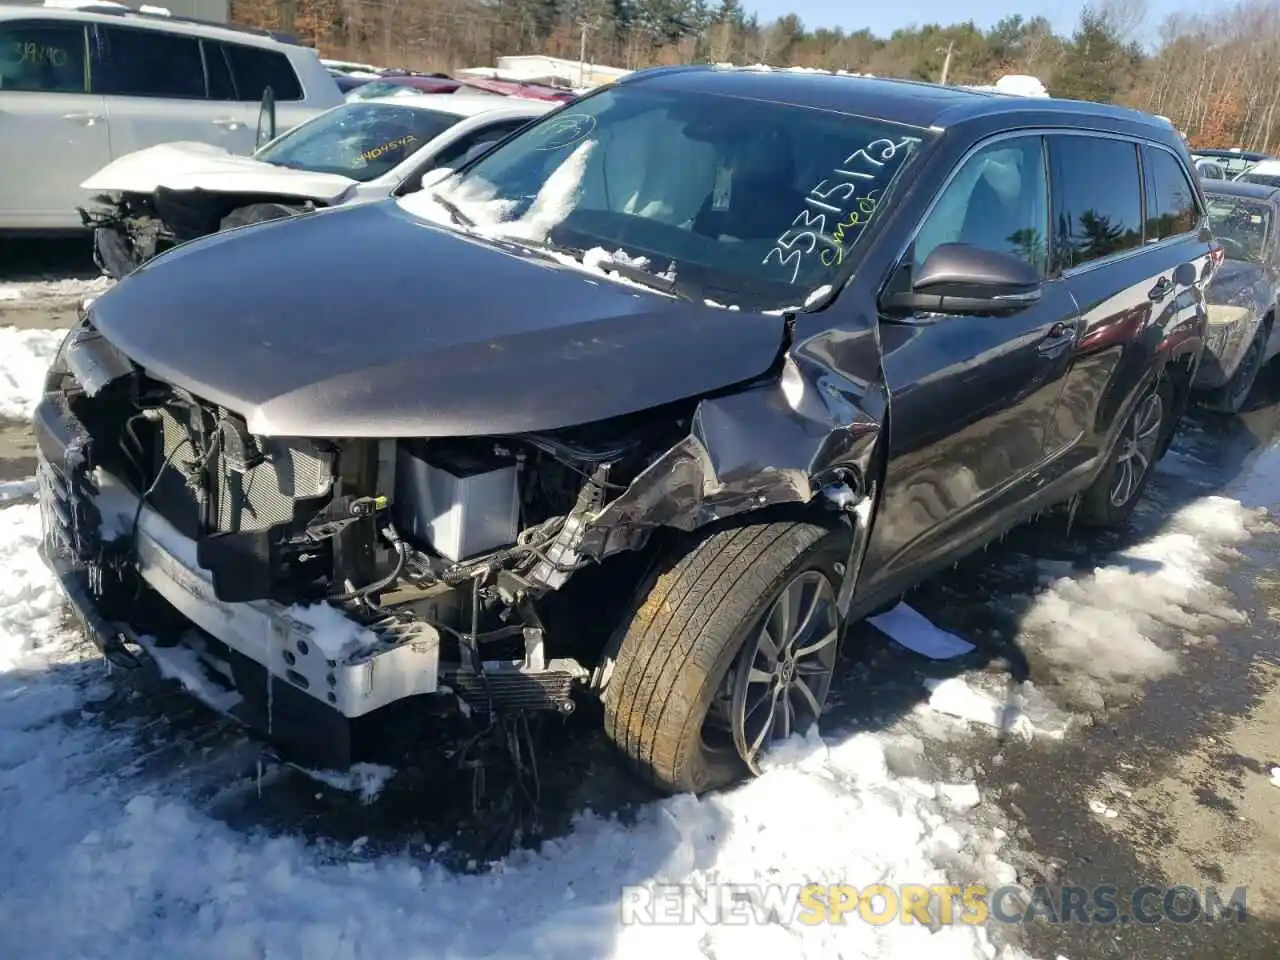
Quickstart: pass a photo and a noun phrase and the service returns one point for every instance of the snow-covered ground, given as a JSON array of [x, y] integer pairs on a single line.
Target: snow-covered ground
[[105, 858], [27, 354]]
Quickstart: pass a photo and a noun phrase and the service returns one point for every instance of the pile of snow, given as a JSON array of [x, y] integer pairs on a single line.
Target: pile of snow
[[26, 355], [1124, 623], [54, 290]]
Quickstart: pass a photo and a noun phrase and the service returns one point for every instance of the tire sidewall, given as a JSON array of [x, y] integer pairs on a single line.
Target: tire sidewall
[[1111, 513], [710, 769]]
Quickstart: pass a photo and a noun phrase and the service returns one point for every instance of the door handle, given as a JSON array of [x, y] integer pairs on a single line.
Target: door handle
[[1059, 338], [1163, 287], [229, 123], [87, 119]]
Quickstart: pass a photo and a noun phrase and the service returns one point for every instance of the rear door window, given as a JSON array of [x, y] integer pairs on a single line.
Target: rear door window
[[42, 57], [254, 69], [1097, 198], [1171, 200], [148, 63]]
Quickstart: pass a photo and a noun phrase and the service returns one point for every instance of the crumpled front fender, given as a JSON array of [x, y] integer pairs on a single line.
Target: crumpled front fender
[[808, 434]]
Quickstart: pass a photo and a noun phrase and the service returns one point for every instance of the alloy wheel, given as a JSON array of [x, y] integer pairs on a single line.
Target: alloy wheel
[[1137, 450], [781, 677]]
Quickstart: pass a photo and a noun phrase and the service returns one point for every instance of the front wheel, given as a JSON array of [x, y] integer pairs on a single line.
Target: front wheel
[[729, 648], [256, 213], [1116, 491], [115, 253]]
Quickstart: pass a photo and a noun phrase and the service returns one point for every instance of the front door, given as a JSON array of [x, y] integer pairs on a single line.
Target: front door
[[972, 396], [53, 132]]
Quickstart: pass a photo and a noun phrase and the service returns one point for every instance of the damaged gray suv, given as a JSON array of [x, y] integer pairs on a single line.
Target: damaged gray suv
[[644, 404]]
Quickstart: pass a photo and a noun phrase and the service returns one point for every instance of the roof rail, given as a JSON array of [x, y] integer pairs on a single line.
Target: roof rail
[[112, 10]]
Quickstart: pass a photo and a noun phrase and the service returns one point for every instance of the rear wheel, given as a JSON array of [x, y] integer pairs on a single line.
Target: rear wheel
[[1231, 397], [1113, 495], [729, 647], [257, 213]]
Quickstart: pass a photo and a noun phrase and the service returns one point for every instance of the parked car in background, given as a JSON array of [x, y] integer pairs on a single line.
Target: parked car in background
[[520, 88], [1233, 161], [346, 82], [81, 87], [1242, 335], [414, 450], [1265, 172], [1209, 169], [399, 85], [362, 151]]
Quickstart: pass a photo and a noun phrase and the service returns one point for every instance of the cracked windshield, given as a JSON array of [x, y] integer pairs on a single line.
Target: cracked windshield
[[717, 195], [361, 140]]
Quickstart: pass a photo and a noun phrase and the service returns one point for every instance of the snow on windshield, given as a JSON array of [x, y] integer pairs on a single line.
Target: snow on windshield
[[754, 202]]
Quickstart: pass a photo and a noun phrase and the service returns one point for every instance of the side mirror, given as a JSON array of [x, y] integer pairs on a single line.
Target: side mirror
[[959, 278], [266, 118]]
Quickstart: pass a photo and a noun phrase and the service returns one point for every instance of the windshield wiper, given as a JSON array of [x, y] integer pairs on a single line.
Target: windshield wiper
[[454, 211], [662, 282]]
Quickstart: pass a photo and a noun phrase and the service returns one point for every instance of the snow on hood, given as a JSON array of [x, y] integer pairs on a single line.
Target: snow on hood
[[191, 166]]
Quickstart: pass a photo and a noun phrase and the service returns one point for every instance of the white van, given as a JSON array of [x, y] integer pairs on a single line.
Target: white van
[[80, 87]]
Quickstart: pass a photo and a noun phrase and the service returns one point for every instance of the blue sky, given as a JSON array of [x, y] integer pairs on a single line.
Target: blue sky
[[883, 18]]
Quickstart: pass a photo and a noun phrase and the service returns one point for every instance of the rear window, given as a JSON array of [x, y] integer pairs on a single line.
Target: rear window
[[359, 140], [42, 57], [254, 69]]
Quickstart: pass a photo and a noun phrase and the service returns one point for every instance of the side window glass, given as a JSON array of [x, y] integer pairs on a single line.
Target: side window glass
[[215, 68], [255, 69], [998, 200], [1171, 200], [148, 63], [1097, 198], [42, 57]]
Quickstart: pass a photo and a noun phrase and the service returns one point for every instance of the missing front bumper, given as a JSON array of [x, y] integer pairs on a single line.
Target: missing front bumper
[[303, 675]]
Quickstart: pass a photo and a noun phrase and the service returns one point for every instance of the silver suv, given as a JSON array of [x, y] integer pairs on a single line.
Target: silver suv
[[81, 87]]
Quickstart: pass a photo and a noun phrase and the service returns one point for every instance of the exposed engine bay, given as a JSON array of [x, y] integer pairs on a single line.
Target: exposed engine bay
[[443, 547], [131, 228]]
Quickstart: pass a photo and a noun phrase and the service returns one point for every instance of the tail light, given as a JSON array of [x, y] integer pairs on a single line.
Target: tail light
[[1216, 256]]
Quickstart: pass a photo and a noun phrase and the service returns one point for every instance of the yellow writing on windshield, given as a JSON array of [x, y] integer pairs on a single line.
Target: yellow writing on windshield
[[375, 152]]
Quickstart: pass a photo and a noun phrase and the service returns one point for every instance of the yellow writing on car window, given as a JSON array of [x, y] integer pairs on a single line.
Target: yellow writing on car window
[[38, 54], [376, 152]]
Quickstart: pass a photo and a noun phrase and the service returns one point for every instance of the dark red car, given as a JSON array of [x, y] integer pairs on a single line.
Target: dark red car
[[520, 88], [386, 86]]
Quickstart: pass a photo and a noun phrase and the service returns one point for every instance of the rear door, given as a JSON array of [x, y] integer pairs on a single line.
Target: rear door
[[53, 132], [971, 395], [156, 91], [1116, 243]]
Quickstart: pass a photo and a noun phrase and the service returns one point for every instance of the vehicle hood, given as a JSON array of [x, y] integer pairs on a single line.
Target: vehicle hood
[[202, 166], [365, 321], [1234, 282]]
